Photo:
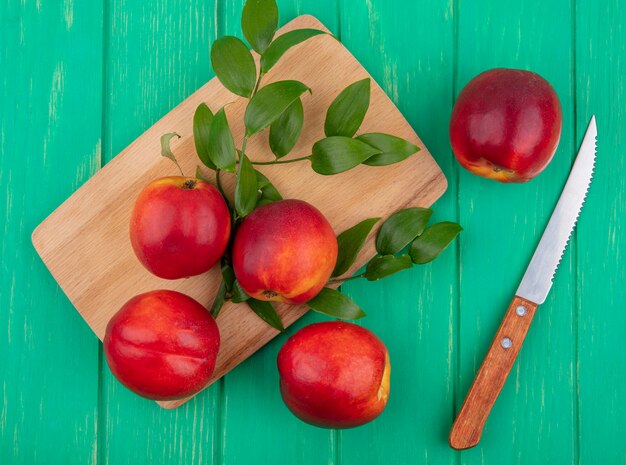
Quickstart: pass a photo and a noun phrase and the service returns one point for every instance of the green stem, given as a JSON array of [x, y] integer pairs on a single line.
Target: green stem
[[245, 136], [244, 143], [218, 181], [258, 83], [179, 169], [281, 162], [341, 280]]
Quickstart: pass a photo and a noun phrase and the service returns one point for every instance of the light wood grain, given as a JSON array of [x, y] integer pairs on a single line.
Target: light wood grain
[[492, 375], [85, 241]]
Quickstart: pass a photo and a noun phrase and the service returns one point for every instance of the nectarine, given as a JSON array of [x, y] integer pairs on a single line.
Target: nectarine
[[179, 227], [162, 345], [506, 125], [284, 251], [334, 374]]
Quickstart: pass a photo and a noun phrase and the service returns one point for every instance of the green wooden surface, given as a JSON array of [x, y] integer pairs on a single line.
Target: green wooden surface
[[80, 80]]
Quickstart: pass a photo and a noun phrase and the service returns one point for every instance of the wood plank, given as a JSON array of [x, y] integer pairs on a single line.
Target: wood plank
[[601, 295], [89, 231], [533, 420], [409, 50], [50, 87], [256, 426], [157, 55]]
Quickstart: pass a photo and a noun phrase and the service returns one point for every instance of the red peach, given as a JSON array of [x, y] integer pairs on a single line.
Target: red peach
[[506, 125], [179, 227], [284, 251], [162, 345], [334, 375]]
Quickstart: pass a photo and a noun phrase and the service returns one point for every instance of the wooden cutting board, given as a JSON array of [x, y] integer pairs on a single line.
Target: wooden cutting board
[[85, 241]]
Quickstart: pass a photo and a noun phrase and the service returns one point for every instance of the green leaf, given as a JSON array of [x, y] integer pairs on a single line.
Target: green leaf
[[400, 229], [166, 151], [270, 102], [267, 191], [201, 176], [285, 131], [382, 266], [333, 303], [283, 43], [350, 243], [221, 143], [433, 241], [262, 180], [201, 129], [258, 23], [239, 295], [337, 154], [218, 302], [346, 113], [267, 312], [233, 64], [394, 149], [228, 274], [246, 187]]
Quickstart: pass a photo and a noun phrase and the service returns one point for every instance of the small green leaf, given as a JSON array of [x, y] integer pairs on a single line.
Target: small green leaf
[[246, 187], [239, 295], [233, 64], [270, 102], [350, 243], [401, 228], [346, 113], [201, 176], [382, 266], [433, 241], [267, 191], [258, 23], [394, 149], [283, 43], [337, 154], [228, 274], [333, 303], [221, 143], [267, 312], [218, 302], [285, 131], [201, 130], [166, 151]]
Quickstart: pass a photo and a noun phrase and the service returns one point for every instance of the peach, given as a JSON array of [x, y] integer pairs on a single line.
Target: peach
[[179, 227], [334, 374], [284, 251], [162, 345]]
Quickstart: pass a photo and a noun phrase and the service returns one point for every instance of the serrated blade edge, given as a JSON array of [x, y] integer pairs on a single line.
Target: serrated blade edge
[[538, 277]]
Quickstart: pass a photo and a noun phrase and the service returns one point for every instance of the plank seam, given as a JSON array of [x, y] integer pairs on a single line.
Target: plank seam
[[456, 346], [101, 456], [577, 293]]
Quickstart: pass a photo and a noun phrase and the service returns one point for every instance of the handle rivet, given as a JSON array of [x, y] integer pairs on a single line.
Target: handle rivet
[[506, 343], [521, 310]]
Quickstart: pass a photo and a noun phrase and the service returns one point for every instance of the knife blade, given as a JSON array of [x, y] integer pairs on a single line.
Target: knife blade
[[532, 291], [537, 280]]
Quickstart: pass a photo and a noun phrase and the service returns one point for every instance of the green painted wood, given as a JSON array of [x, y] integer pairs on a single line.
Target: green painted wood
[[51, 56], [251, 400], [81, 79], [534, 420], [413, 312], [156, 55], [601, 293]]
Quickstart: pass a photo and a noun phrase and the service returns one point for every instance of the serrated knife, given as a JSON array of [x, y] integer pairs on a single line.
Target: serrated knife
[[536, 283]]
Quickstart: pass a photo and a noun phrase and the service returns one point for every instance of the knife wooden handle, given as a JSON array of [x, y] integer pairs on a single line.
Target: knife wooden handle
[[492, 374]]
